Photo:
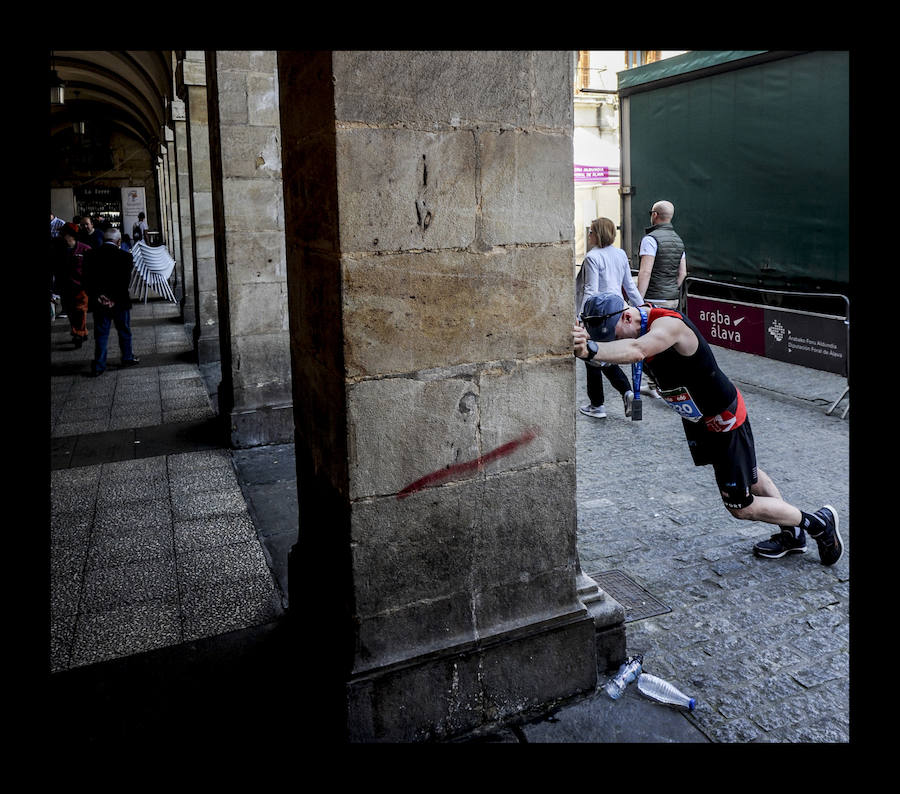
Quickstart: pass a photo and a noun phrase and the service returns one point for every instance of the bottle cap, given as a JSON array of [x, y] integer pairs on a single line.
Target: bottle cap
[[691, 703]]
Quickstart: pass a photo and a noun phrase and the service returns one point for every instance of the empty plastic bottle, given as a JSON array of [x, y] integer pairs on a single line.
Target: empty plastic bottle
[[629, 670], [663, 691]]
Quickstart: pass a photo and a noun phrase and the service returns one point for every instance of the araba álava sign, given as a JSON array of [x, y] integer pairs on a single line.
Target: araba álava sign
[[721, 325], [810, 340]]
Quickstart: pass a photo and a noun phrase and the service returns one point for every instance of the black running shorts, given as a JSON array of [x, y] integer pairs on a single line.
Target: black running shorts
[[732, 456]]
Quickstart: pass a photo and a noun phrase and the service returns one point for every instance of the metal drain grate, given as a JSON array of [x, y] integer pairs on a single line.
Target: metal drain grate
[[636, 601]]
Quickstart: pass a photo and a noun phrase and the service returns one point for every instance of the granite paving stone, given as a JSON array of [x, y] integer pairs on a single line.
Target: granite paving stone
[[121, 546], [219, 609], [121, 585], [221, 565], [221, 530], [124, 631]]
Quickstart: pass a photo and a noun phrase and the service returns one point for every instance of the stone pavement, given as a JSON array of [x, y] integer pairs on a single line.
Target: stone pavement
[[763, 645], [151, 541], [169, 558]]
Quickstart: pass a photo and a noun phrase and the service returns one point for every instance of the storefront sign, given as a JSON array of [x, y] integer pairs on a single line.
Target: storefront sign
[[809, 340]]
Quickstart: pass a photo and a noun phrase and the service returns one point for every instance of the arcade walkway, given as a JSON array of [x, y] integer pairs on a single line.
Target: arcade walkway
[[169, 583], [152, 540]]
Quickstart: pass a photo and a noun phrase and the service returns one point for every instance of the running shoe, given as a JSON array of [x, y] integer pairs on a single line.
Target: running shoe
[[628, 399], [597, 411], [781, 544], [831, 546], [649, 388]]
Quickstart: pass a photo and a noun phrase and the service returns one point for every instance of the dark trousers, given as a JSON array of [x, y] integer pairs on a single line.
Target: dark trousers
[[102, 321], [613, 374]]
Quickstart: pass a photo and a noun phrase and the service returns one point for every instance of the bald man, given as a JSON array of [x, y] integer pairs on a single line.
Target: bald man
[[663, 264]]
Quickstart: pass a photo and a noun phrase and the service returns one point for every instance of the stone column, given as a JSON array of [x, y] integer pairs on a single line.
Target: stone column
[[428, 205], [174, 244], [182, 183], [206, 327], [245, 153]]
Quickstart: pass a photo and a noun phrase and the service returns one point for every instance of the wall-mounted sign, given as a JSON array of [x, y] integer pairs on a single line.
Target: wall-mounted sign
[[133, 202], [597, 173]]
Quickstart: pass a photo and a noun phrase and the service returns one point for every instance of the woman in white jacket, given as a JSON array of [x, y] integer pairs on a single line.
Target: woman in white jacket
[[605, 269]]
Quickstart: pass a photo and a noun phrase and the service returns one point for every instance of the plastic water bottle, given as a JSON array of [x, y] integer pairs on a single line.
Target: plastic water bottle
[[629, 670], [663, 691]]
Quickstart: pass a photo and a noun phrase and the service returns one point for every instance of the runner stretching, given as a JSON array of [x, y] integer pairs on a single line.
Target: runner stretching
[[713, 415]]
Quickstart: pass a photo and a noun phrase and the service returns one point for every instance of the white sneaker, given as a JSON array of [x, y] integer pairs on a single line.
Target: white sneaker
[[628, 399], [650, 390], [597, 411]]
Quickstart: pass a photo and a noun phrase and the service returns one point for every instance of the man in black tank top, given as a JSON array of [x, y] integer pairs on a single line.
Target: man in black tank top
[[713, 415]]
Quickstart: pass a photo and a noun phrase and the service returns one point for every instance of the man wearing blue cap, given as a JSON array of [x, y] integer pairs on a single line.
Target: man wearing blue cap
[[713, 415]]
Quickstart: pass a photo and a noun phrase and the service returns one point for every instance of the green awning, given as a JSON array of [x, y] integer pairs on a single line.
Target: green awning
[[679, 66]]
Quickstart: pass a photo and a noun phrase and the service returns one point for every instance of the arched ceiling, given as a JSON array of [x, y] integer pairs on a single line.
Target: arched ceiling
[[128, 88]]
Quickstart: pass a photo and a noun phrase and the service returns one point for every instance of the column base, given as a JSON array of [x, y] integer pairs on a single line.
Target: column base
[[270, 424], [609, 620], [457, 689]]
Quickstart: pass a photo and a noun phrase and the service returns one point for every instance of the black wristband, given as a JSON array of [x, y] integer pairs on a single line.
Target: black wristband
[[592, 349]]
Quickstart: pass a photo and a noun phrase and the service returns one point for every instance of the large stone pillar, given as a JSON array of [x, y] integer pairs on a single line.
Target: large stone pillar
[[428, 206], [183, 186], [206, 327], [245, 153]]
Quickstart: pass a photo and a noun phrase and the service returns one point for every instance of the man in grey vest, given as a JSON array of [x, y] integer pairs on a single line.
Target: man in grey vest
[[663, 265]]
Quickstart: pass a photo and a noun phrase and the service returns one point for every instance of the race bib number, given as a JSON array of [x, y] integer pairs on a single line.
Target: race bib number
[[682, 403]]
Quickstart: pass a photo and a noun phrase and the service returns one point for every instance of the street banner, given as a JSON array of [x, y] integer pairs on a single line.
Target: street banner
[[817, 341]]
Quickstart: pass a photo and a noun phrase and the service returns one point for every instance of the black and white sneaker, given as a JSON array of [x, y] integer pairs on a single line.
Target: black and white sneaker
[[781, 544], [829, 541], [628, 400]]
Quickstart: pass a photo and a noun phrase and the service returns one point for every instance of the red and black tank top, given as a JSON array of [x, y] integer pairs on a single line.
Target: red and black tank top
[[694, 386]]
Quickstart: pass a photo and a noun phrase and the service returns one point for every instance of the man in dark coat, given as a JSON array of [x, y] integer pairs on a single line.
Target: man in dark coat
[[106, 276]]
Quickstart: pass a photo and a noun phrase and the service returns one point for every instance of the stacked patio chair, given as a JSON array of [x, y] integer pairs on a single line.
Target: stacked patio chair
[[153, 267]]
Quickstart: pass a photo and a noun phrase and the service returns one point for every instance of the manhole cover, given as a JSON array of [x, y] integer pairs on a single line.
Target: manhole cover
[[636, 601]]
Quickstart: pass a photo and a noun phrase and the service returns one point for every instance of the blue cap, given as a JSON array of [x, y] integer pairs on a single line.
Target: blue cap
[[691, 704], [600, 315]]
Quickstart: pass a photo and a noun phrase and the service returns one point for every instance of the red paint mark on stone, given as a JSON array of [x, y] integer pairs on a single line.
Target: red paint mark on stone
[[471, 465]]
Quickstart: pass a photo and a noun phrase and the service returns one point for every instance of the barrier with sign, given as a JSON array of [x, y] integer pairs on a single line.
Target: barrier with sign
[[807, 338]]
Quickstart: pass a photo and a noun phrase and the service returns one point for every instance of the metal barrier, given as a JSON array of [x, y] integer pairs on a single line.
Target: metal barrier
[[807, 338]]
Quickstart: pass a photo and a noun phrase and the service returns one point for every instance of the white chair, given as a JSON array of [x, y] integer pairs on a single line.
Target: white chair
[[153, 267]]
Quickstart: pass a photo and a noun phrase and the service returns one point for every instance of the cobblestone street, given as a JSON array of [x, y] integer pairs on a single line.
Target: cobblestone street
[[762, 644]]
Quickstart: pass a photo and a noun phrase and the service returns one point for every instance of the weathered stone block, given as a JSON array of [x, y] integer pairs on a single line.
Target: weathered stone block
[[262, 370], [262, 99], [259, 309], [532, 395], [253, 205], [207, 309], [405, 189], [444, 308], [232, 97], [251, 153], [429, 87], [193, 70], [198, 112], [503, 545], [481, 683], [551, 98], [453, 417], [527, 195], [401, 429], [255, 257]]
